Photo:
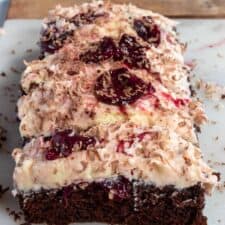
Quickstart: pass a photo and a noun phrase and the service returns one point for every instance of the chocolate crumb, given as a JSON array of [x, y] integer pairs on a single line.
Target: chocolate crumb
[[16, 215], [213, 122], [3, 190], [14, 70], [218, 175], [29, 50], [223, 96], [193, 92], [197, 129], [71, 72], [3, 74]]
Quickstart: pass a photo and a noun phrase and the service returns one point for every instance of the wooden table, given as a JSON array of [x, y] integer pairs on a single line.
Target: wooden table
[[172, 8]]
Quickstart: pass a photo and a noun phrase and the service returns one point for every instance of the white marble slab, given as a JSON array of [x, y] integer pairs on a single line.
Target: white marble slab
[[22, 35]]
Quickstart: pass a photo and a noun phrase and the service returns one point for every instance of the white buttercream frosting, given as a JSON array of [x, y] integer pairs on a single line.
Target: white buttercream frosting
[[56, 100], [160, 157]]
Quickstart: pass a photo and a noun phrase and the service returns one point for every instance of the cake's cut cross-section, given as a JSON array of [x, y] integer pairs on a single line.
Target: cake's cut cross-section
[[110, 122], [145, 158]]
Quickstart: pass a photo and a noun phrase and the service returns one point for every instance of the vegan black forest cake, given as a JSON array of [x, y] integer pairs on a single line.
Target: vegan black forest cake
[[109, 122]]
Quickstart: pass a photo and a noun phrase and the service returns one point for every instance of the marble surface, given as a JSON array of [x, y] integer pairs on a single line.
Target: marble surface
[[206, 48]]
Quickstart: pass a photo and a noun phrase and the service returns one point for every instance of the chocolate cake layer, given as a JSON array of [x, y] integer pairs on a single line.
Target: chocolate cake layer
[[116, 201]]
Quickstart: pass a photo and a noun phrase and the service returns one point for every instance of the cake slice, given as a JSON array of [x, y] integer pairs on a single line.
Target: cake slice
[[109, 123], [122, 174]]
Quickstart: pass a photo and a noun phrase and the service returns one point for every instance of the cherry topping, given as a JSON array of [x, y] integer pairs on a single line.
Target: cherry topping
[[133, 53], [51, 154], [63, 142], [147, 30], [105, 50], [119, 87], [127, 50]]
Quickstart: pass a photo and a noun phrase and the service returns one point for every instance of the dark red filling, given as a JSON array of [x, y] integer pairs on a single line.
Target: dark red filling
[[105, 49], [123, 144], [147, 30], [133, 53], [178, 102], [128, 50], [119, 87], [63, 142], [53, 39]]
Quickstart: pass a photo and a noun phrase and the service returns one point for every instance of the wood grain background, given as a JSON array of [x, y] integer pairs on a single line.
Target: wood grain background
[[172, 8]]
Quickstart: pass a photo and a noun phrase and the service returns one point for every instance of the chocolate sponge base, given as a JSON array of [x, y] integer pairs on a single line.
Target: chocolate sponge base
[[115, 201]]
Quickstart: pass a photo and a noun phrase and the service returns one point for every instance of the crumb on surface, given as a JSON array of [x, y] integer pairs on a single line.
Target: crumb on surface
[[219, 55], [3, 190], [29, 50], [217, 138], [16, 215], [218, 106], [14, 70], [211, 90], [221, 187], [213, 122], [218, 175], [3, 74]]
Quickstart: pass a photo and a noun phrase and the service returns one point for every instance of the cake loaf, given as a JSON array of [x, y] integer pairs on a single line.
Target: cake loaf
[[109, 122]]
